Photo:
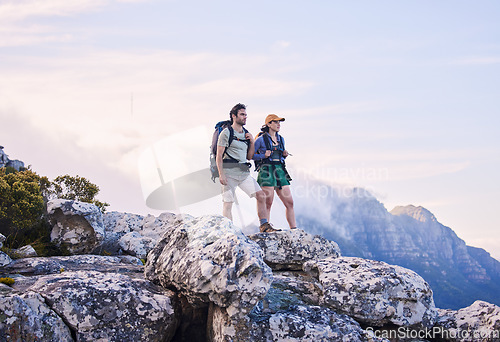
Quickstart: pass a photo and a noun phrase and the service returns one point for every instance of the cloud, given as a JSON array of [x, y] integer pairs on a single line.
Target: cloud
[[281, 45], [114, 104], [486, 60], [18, 10], [17, 19]]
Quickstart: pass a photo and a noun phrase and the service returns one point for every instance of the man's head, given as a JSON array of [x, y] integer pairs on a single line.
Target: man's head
[[238, 114]]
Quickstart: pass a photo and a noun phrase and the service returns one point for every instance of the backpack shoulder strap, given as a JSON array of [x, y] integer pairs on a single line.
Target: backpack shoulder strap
[[267, 141], [231, 136], [281, 142]]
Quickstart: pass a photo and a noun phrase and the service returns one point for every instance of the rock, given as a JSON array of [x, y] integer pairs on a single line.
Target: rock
[[299, 323], [208, 259], [2, 239], [26, 317], [53, 265], [117, 225], [289, 289], [27, 271], [76, 225], [477, 322], [4, 259], [290, 249], [135, 244], [6, 162], [110, 306], [144, 230], [374, 292], [25, 252], [289, 312]]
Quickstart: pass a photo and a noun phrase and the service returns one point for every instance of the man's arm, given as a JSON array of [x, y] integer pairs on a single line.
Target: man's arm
[[218, 162], [251, 146]]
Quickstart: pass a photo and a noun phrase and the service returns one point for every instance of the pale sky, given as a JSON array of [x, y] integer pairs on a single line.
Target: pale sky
[[400, 97]]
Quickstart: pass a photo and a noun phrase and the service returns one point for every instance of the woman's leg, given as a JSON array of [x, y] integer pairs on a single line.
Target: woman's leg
[[269, 191], [285, 196]]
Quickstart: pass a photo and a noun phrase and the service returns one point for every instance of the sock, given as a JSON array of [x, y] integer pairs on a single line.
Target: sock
[[262, 221]]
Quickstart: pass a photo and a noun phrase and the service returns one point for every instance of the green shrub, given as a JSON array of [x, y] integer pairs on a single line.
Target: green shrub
[[72, 188], [7, 281], [23, 198], [21, 201]]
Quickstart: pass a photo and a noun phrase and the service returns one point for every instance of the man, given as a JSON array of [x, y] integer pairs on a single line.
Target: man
[[234, 168]]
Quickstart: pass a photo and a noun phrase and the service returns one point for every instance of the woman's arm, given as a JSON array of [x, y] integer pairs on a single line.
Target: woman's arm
[[260, 149]]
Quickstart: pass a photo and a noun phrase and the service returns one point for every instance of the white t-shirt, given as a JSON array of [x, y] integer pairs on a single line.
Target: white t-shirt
[[238, 150]]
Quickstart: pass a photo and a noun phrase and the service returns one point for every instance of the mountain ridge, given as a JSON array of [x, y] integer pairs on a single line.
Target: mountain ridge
[[409, 236]]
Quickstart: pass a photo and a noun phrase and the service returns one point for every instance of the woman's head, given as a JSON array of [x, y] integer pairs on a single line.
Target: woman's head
[[272, 122]]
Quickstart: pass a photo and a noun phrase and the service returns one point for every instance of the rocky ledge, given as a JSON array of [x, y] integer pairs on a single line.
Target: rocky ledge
[[204, 280]]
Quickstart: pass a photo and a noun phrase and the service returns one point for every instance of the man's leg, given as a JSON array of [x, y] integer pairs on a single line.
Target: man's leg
[[262, 212], [228, 197], [252, 189]]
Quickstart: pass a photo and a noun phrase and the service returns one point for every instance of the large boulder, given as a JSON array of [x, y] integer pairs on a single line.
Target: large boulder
[[477, 322], [134, 234], [290, 249], [110, 306], [78, 226], [289, 312], [208, 259], [374, 292], [26, 317]]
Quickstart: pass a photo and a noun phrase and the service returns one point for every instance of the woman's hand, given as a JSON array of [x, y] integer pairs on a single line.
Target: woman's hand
[[268, 153]]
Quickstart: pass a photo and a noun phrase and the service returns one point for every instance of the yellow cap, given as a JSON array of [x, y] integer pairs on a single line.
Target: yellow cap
[[273, 117]]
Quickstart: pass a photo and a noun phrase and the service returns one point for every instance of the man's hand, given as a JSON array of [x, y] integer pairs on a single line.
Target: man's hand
[[285, 153], [223, 179], [268, 153], [249, 136]]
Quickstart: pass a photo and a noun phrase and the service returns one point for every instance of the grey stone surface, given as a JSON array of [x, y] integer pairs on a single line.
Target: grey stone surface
[[290, 249], [26, 317], [76, 225], [109, 306], [477, 322], [375, 292], [208, 259]]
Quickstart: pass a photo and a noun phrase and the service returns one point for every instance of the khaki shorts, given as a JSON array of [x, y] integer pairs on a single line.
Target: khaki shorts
[[248, 185]]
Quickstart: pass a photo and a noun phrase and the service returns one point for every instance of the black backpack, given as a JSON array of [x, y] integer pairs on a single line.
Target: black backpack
[[219, 127], [270, 147]]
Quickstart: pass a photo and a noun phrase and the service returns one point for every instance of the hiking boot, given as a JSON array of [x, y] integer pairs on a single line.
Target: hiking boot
[[268, 228]]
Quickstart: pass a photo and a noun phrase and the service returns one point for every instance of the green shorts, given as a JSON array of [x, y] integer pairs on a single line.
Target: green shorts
[[274, 175]]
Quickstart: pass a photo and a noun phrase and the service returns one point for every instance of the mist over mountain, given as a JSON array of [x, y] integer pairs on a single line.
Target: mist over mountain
[[408, 236]]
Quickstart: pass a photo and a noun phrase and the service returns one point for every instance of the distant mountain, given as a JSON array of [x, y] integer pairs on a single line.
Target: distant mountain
[[408, 236]]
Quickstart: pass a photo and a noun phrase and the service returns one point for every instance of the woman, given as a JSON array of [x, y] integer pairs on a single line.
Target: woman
[[269, 157]]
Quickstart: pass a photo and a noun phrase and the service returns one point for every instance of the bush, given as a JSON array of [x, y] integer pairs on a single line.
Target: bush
[[72, 188], [23, 197], [21, 202], [7, 281]]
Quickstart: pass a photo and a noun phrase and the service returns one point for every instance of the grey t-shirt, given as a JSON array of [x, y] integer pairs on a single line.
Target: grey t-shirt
[[237, 150]]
